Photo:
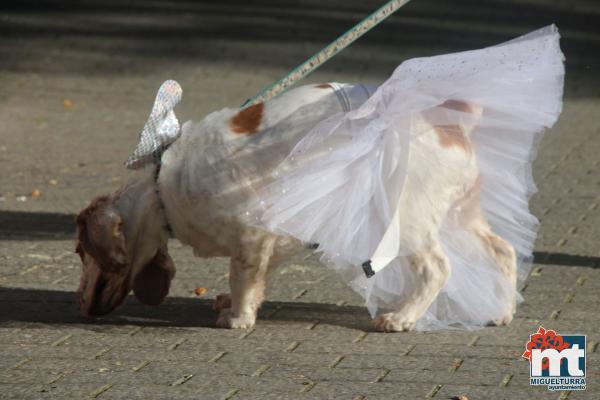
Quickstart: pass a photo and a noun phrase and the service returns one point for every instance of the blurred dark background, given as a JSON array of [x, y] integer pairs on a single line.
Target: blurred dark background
[[135, 37]]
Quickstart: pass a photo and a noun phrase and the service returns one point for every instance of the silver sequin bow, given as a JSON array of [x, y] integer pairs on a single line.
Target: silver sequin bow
[[161, 129]]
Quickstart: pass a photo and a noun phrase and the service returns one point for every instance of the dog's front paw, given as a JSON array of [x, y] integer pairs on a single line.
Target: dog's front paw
[[394, 322], [243, 321]]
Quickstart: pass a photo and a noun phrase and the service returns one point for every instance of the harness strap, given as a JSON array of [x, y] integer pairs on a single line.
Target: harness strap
[[161, 204]]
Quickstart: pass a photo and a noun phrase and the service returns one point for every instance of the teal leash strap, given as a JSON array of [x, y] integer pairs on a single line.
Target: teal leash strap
[[327, 52]]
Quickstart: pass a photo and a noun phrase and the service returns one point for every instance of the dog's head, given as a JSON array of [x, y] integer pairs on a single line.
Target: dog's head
[[110, 270]]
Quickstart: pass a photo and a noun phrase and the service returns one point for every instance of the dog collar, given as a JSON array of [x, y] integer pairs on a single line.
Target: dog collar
[[161, 204]]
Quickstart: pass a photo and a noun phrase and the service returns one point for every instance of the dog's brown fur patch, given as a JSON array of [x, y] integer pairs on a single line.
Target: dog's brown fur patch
[[88, 221], [324, 86], [247, 121], [80, 221], [458, 105], [152, 283], [452, 135]]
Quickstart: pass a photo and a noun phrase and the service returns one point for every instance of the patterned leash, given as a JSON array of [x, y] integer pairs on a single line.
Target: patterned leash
[[162, 127], [327, 52]]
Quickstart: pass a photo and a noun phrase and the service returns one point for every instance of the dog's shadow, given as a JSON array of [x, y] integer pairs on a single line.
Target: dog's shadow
[[53, 307]]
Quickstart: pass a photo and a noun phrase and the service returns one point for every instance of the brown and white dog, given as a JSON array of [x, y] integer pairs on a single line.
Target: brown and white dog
[[122, 239]]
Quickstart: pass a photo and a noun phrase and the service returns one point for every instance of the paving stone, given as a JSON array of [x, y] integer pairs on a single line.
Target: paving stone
[[77, 81]]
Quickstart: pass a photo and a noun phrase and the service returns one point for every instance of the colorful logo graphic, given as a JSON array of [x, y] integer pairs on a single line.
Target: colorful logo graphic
[[557, 361]]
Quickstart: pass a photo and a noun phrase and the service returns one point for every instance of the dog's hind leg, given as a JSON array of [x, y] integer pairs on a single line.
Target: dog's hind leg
[[502, 252], [504, 256], [247, 280], [469, 215], [431, 269]]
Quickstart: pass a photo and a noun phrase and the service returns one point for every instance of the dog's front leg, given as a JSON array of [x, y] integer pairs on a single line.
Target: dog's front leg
[[247, 280]]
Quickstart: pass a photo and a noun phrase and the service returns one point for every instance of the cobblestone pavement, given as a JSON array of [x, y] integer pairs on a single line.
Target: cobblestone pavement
[[77, 80]]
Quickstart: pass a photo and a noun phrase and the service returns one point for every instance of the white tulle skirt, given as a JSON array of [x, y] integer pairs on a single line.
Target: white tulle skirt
[[341, 183], [339, 171]]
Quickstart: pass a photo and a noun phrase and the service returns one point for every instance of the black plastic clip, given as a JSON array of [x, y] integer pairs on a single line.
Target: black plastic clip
[[366, 266]]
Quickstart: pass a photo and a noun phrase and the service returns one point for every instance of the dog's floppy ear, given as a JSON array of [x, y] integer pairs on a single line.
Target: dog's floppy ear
[[151, 285], [100, 234]]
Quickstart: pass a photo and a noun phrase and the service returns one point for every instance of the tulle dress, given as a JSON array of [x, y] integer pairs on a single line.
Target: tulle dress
[[330, 168], [341, 182]]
